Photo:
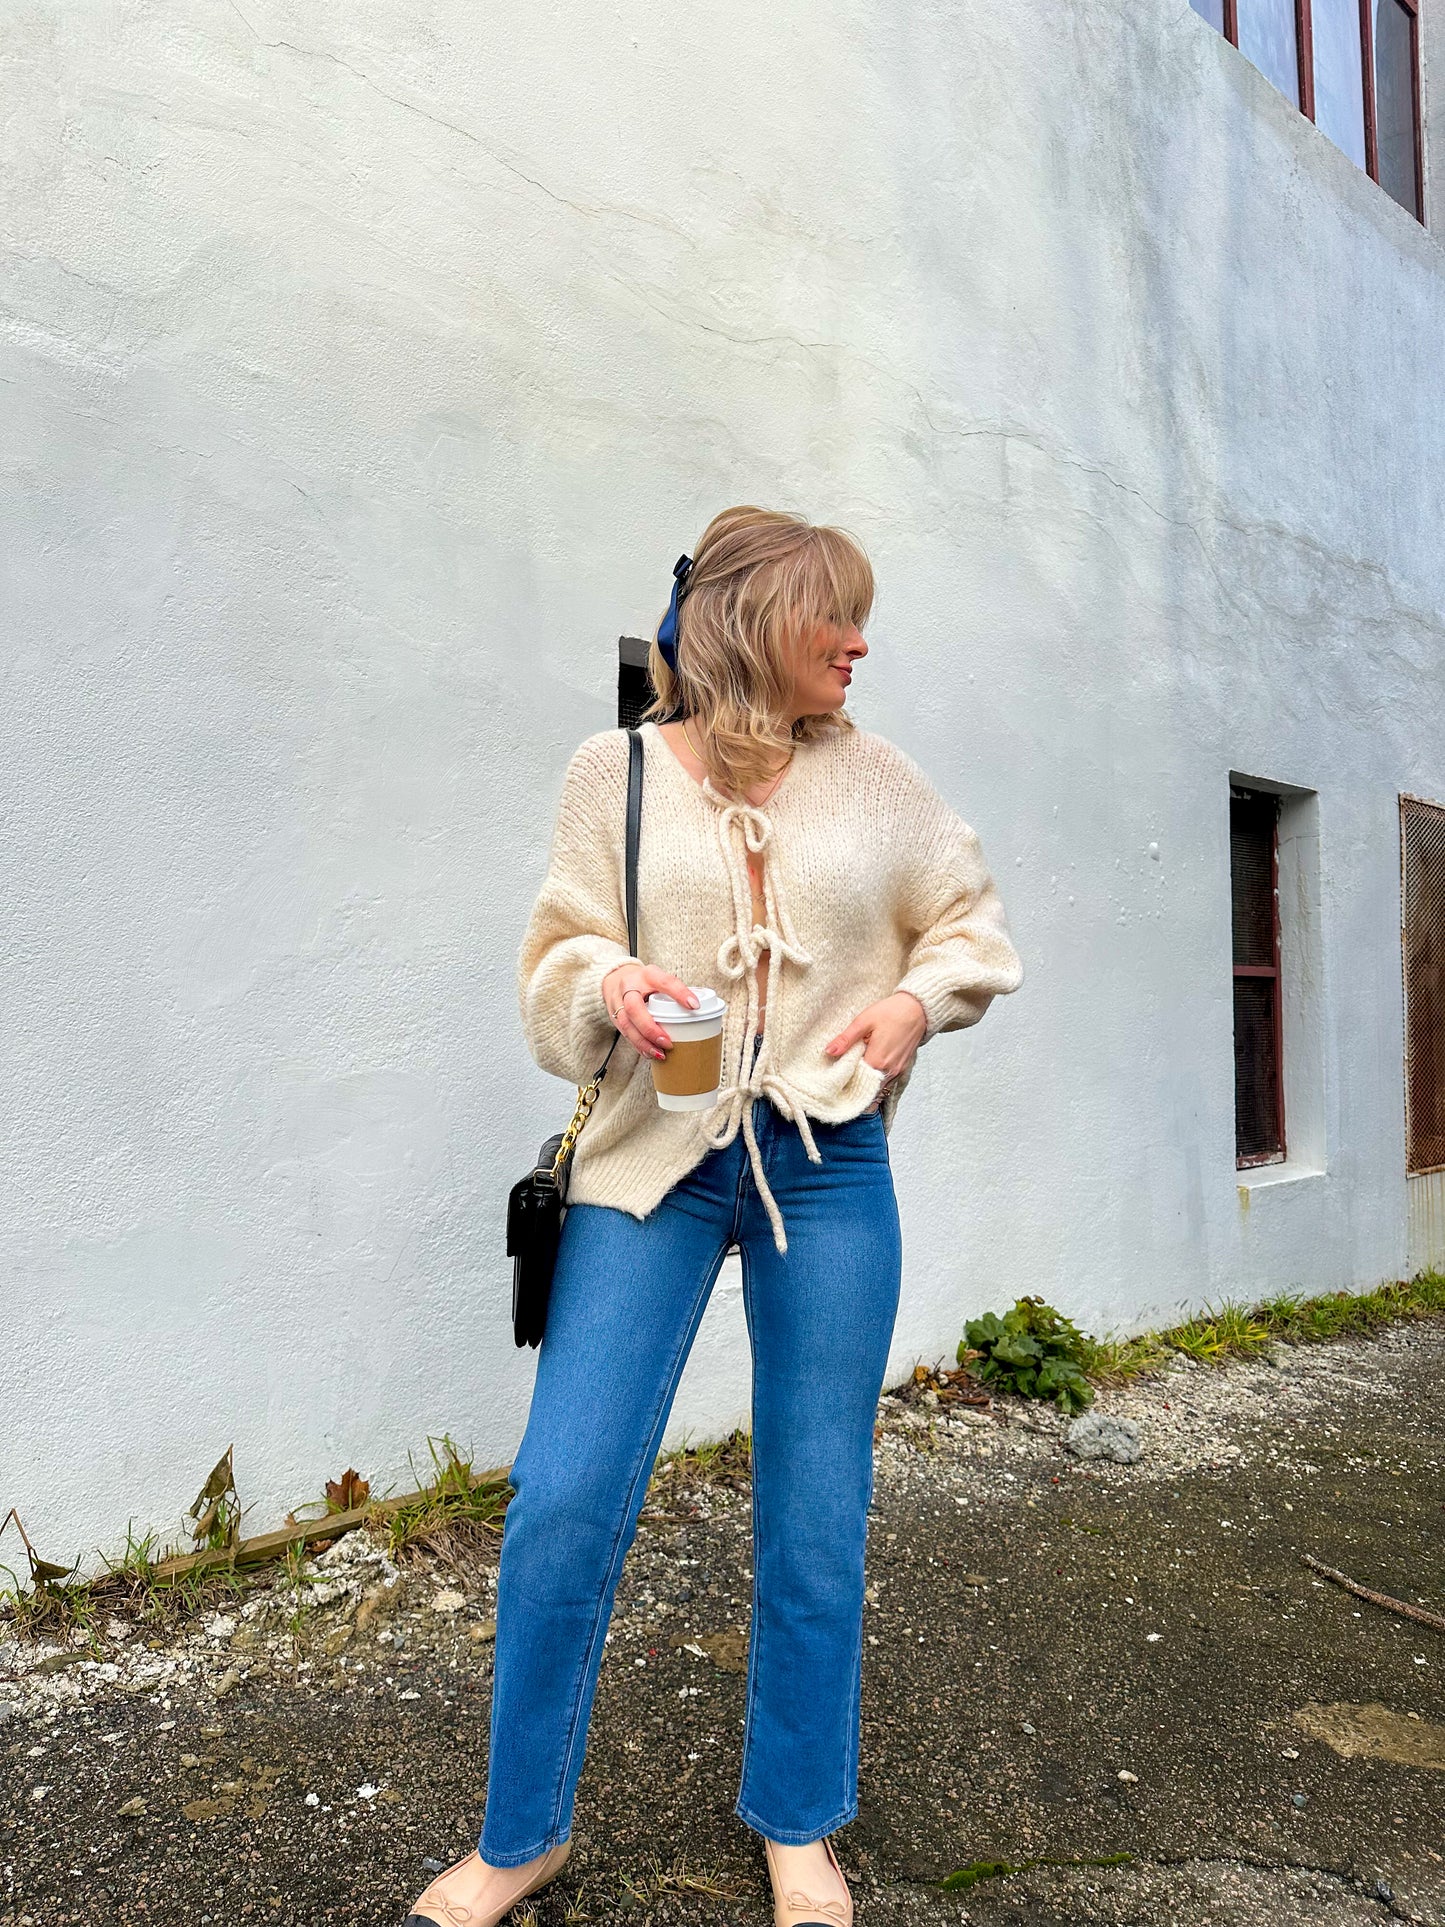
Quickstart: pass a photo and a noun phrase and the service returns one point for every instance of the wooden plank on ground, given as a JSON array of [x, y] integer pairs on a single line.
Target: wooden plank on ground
[[275, 1545]]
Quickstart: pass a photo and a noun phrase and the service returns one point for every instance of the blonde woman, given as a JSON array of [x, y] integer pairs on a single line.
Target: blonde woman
[[808, 871]]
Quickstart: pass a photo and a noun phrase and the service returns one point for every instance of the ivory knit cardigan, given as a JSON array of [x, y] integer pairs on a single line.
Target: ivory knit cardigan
[[871, 884]]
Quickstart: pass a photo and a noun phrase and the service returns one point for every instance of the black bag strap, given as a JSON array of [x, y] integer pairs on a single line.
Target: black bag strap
[[587, 1093], [634, 836], [634, 830]]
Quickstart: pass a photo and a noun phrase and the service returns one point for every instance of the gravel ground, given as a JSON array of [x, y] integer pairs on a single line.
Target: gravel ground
[[1066, 1662]]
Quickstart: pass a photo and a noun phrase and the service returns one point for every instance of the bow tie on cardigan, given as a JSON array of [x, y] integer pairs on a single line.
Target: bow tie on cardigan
[[743, 829]]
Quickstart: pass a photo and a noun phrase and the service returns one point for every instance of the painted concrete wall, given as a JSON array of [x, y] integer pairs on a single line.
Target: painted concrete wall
[[364, 372]]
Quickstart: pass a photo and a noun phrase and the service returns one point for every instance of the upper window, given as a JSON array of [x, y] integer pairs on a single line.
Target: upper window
[[1352, 65]]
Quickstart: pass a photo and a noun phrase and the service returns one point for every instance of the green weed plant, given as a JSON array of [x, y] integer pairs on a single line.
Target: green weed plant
[[1032, 1350]]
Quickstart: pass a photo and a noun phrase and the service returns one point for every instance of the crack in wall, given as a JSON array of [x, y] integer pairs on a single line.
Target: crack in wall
[[589, 211]]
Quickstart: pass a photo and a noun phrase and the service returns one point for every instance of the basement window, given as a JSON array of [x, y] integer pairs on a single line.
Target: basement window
[[1259, 1135], [634, 684], [1422, 920], [1352, 66]]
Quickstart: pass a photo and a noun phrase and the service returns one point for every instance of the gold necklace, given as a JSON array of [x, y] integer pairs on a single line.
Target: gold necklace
[[778, 779]]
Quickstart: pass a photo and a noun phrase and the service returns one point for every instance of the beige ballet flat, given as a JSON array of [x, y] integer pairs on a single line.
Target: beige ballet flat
[[434, 1909], [794, 1909]]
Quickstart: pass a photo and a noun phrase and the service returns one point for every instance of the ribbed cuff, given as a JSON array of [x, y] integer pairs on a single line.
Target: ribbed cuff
[[943, 1001]]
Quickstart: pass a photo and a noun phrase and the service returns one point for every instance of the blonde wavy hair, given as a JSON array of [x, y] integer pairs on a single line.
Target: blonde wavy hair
[[761, 584]]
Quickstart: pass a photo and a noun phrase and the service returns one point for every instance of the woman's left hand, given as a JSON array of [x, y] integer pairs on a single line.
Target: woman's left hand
[[894, 1028]]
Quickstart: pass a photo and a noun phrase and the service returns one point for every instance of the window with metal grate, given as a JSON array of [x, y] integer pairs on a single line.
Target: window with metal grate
[[1422, 919], [1259, 1136], [634, 685]]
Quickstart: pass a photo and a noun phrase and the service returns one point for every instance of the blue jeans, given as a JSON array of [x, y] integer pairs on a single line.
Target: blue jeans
[[628, 1295]]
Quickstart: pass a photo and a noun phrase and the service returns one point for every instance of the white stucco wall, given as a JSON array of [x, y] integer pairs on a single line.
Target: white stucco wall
[[364, 371]]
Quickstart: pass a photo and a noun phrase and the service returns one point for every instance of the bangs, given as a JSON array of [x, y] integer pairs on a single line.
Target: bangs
[[835, 578]]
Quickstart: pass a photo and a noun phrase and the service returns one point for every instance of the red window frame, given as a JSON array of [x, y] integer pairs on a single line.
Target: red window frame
[[1305, 51]]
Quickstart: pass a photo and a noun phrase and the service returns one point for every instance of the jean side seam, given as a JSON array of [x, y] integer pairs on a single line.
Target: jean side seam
[[646, 1458], [855, 1711], [750, 1693]]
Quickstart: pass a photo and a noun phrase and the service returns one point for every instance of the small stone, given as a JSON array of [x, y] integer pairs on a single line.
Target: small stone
[[230, 1679], [1300, 1799], [313, 1800], [189, 1759], [1129, 1779], [480, 1634], [1095, 1437], [448, 1602], [132, 1810], [429, 1865], [366, 1791]]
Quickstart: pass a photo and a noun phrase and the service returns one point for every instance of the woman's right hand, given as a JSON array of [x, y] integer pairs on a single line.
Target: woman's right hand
[[628, 1009]]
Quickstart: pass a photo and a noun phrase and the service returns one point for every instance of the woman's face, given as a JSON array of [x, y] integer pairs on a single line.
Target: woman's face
[[823, 668]]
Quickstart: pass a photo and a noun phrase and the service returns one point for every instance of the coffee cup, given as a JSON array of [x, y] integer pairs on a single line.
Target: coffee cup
[[687, 1078]]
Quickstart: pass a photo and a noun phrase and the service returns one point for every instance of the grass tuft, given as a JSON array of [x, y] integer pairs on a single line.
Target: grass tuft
[[455, 1517], [1238, 1331], [726, 1461], [127, 1588]]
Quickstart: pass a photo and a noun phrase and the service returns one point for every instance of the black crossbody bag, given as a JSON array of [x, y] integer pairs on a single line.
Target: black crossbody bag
[[537, 1203]]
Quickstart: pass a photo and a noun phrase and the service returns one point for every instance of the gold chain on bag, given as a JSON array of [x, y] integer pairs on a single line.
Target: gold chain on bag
[[586, 1098]]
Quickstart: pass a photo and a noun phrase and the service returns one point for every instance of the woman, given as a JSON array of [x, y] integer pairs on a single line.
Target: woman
[[808, 871]]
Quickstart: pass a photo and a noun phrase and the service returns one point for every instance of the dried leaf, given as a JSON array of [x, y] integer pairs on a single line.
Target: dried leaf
[[347, 1493], [45, 1574], [42, 1572], [221, 1481]]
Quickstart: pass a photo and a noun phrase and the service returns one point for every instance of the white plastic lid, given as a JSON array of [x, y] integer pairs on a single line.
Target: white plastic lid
[[667, 1010]]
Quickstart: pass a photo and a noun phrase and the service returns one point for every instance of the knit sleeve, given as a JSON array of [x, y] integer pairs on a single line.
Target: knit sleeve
[[577, 931], [961, 955]]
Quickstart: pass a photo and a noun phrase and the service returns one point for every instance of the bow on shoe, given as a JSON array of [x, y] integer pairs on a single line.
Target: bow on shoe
[[440, 1913], [834, 1909]]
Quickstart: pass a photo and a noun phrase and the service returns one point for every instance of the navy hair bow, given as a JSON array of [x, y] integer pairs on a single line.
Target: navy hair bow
[[667, 629]]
